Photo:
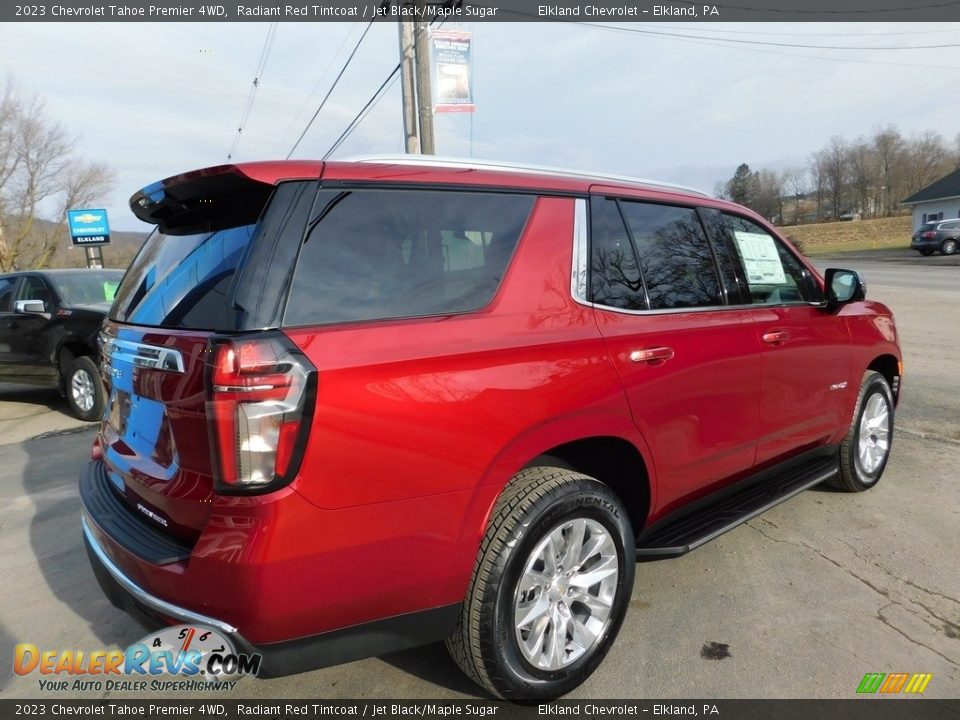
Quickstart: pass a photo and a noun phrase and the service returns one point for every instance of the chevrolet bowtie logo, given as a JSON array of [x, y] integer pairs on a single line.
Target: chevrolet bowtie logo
[[87, 218]]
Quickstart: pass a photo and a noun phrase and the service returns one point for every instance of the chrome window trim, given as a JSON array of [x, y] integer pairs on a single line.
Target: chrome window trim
[[708, 308], [580, 265]]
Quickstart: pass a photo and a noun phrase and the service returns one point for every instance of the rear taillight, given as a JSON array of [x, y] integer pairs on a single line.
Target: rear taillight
[[261, 392], [928, 234]]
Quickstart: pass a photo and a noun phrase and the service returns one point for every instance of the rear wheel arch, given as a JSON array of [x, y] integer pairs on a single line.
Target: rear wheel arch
[[615, 462]]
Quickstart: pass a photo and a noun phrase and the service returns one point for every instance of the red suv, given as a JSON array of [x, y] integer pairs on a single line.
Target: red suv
[[360, 406]]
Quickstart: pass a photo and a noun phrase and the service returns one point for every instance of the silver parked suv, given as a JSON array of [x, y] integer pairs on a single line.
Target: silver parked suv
[[942, 235]]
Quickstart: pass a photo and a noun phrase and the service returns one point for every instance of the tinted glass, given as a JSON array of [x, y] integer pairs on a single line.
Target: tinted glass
[[773, 275], [400, 253], [675, 258], [614, 274], [7, 286], [33, 288], [84, 287], [724, 253], [181, 281]]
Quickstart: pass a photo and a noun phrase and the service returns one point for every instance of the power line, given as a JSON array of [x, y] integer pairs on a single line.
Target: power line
[[332, 87], [374, 99], [859, 11], [766, 43], [371, 103], [912, 33], [257, 74], [316, 87], [718, 42]]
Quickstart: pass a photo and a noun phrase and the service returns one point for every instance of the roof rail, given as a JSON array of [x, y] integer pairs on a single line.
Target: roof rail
[[453, 162]]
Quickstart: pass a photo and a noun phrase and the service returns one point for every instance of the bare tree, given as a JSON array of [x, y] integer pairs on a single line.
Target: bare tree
[[39, 176], [834, 160], [863, 176], [818, 178], [888, 148], [769, 195], [795, 184], [926, 161]]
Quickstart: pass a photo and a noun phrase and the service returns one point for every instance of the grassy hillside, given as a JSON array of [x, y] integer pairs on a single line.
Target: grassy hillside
[[833, 237]]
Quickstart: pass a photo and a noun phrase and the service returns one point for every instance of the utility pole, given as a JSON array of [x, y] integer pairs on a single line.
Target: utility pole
[[424, 95], [411, 135]]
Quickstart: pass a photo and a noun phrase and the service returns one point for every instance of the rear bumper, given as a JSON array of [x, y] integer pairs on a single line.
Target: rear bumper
[[254, 601], [124, 593], [925, 244], [279, 659]]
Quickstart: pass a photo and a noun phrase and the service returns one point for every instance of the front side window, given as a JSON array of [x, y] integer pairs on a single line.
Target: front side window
[[375, 254], [33, 288], [773, 275]]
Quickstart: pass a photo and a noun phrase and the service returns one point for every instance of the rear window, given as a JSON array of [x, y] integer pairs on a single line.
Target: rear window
[[374, 254], [181, 281], [928, 226]]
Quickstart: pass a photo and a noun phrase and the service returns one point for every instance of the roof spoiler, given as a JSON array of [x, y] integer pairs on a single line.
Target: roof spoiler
[[202, 201]]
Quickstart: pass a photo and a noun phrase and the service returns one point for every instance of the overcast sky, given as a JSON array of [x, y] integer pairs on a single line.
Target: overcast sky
[[154, 100]]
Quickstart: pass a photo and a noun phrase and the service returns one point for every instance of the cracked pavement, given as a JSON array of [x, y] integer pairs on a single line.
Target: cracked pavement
[[804, 600]]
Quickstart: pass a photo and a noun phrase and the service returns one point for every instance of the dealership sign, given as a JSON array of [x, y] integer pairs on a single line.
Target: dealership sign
[[88, 227], [452, 71]]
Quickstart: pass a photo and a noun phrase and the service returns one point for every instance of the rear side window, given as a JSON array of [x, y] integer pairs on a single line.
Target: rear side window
[[373, 254], [181, 281], [614, 272], [675, 257]]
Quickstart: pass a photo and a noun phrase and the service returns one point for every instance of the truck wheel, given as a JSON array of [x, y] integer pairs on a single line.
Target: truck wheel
[[866, 448], [84, 389], [550, 586], [949, 247]]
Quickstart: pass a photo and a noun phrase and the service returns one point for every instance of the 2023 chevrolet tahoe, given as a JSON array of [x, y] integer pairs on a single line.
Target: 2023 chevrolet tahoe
[[360, 406]]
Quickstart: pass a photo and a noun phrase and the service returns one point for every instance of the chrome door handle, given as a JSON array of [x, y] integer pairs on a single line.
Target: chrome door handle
[[776, 337], [649, 355]]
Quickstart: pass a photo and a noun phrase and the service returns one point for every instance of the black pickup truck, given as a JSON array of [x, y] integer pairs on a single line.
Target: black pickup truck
[[49, 320]]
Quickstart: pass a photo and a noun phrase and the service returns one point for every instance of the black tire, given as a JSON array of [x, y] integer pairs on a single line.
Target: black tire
[[949, 246], [926, 252], [538, 502], [854, 476], [83, 372]]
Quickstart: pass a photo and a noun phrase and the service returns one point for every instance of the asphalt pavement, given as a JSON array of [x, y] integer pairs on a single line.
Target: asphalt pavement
[[800, 602]]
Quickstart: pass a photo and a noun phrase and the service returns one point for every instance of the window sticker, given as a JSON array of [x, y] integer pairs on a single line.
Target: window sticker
[[760, 258], [109, 290]]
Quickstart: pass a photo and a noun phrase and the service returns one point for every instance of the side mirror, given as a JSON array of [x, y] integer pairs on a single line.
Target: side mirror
[[29, 306], [843, 286]]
